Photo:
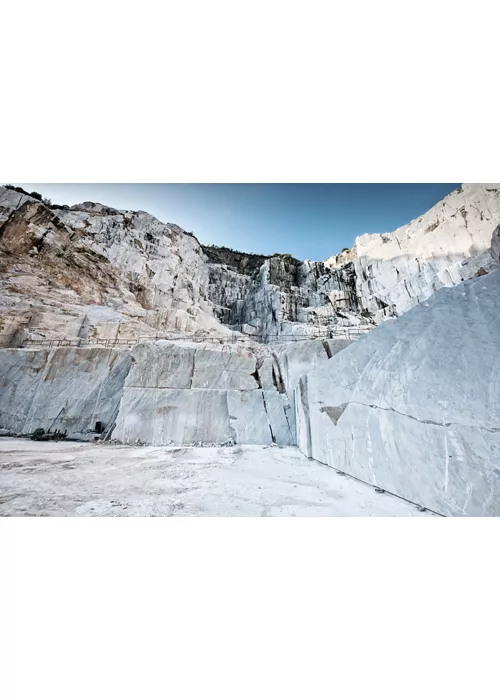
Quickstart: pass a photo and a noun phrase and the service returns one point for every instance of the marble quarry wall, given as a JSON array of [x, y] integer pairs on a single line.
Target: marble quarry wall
[[159, 392], [198, 395], [187, 394], [64, 389], [286, 299], [93, 272], [414, 406], [456, 240], [383, 276]]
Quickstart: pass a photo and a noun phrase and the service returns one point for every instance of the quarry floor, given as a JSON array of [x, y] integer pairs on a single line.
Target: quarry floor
[[84, 479]]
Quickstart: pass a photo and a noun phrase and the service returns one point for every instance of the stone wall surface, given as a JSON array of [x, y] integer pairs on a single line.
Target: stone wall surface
[[173, 416], [157, 392], [64, 389], [201, 395], [414, 406]]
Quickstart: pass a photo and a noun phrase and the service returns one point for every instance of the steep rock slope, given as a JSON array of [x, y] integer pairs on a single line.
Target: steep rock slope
[[91, 271], [455, 240], [414, 406], [383, 275], [285, 298]]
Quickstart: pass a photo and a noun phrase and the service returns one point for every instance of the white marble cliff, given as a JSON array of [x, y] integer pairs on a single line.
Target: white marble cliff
[[382, 276], [94, 272], [450, 243], [90, 271]]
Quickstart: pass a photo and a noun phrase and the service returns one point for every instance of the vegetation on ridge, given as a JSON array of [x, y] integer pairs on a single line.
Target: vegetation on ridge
[[34, 195], [236, 252]]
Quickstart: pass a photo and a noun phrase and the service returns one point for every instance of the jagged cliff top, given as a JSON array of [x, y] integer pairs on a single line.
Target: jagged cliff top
[[93, 270], [472, 195], [454, 222]]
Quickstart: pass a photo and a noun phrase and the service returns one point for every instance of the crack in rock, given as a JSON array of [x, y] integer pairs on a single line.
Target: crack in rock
[[407, 415], [268, 419]]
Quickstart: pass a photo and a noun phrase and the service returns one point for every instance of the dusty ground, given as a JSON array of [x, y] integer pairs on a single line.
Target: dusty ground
[[70, 478]]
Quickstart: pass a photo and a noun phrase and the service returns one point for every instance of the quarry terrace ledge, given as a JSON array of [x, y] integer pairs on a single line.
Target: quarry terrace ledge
[[347, 333]]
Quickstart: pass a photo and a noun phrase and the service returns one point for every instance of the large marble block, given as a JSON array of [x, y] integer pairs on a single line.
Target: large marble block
[[250, 422], [173, 416], [161, 365], [414, 407], [232, 368]]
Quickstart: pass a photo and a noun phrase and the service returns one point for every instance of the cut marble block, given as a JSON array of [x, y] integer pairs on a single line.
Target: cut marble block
[[414, 406], [173, 416]]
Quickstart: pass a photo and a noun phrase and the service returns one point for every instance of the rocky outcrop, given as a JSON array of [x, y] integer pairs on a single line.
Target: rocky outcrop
[[243, 263], [90, 271], [414, 406], [287, 299], [455, 240], [382, 276]]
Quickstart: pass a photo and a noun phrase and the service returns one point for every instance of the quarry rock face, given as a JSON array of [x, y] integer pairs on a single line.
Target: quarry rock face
[[67, 389], [93, 272], [414, 406], [455, 240], [201, 395], [383, 275], [157, 393], [287, 300]]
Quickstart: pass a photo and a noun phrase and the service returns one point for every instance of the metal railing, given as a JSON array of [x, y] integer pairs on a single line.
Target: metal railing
[[348, 332], [78, 343]]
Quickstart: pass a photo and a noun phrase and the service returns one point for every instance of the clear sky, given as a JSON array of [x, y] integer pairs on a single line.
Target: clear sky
[[311, 221]]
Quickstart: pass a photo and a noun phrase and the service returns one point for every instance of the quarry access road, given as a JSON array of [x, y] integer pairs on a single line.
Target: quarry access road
[[86, 479]]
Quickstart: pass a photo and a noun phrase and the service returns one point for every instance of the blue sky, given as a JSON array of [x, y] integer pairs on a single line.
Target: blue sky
[[311, 221]]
